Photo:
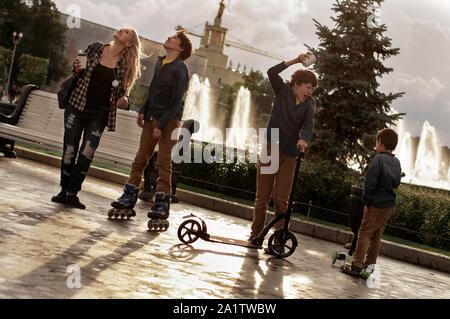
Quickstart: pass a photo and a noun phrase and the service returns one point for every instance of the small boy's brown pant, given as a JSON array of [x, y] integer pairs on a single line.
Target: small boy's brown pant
[[164, 160], [279, 183], [369, 235]]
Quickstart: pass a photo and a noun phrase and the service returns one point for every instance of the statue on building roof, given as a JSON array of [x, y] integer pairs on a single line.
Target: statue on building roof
[[220, 13], [218, 18]]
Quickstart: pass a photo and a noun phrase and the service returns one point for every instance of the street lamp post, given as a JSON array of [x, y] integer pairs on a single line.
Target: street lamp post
[[16, 40]]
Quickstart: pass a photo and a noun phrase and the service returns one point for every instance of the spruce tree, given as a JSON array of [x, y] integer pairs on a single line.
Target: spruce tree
[[350, 109]]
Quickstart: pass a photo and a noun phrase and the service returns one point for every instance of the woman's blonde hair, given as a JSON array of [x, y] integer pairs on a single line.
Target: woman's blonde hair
[[132, 58]]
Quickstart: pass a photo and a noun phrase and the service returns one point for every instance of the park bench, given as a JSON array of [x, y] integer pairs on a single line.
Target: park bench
[[6, 108], [38, 121]]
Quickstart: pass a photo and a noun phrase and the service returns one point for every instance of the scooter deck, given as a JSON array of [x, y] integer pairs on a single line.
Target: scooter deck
[[232, 241]]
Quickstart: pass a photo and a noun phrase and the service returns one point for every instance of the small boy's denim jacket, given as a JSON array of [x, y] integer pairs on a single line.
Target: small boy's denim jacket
[[382, 177]]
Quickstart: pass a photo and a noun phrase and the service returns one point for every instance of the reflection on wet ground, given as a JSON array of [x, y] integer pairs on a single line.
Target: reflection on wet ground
[[39, 240]]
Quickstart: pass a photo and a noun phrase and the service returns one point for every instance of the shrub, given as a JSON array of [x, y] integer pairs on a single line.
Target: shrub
[[32, 70]]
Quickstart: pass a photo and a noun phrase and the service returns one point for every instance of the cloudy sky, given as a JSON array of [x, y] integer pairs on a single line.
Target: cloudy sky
[[421, 29]]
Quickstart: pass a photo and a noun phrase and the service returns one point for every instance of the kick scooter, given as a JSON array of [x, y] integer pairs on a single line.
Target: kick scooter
[[356, 216], [194, 228]]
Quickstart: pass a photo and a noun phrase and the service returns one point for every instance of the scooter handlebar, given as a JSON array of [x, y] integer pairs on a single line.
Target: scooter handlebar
[[301, 152]]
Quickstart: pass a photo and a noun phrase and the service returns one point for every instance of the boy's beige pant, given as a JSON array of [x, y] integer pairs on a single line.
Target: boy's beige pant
[[164, 160], [369, 235], [279, 184]]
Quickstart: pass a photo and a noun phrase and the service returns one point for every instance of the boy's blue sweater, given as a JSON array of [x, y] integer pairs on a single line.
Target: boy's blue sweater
[[293, 121], [382, 177]]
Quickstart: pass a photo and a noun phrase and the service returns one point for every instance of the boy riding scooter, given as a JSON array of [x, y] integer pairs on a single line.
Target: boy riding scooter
[[382, 177], [293, 116]]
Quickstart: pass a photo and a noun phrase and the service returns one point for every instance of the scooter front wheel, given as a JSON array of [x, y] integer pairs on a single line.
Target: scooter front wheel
[[282, 248], [189, 230]]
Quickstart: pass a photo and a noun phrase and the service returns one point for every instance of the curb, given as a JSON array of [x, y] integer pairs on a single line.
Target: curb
[[389, 249]]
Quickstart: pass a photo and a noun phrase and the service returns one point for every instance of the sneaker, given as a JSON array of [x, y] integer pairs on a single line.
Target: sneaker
[[367, 270], [74, 201], [351, 270], [348, 245], [60, 198], [279, 249], [252, 243]]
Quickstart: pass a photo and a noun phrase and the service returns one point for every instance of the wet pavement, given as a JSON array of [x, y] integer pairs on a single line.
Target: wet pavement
[[46, 249]]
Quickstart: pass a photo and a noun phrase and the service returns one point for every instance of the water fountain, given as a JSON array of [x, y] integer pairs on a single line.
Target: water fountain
[[404, 151], [424, 164], [237, 134], [197, 106]]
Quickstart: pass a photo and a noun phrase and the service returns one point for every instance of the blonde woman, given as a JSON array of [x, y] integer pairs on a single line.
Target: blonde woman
[[101, 87]]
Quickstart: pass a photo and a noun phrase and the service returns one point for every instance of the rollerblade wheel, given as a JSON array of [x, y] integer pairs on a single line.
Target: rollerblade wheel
[[189, 230], [133, 213], [288, 245], [122, 215], [110, 213], [152, 225]]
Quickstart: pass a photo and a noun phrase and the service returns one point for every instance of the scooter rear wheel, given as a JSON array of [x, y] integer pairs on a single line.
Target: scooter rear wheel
[[189, 230], [288, 245]]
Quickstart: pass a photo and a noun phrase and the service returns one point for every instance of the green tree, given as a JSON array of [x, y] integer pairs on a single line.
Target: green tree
[[44, 33], [350, 109], [5, 62]]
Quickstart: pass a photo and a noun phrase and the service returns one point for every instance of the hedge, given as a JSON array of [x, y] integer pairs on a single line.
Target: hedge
[[30, 69]]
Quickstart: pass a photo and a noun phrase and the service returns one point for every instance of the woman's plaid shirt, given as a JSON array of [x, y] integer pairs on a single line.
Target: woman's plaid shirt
[[78, 98]]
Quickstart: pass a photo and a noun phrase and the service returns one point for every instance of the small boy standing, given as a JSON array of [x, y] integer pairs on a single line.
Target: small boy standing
[[382, 177]]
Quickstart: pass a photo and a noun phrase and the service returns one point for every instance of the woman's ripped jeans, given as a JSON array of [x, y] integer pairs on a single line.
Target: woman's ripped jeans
[[74, 168]]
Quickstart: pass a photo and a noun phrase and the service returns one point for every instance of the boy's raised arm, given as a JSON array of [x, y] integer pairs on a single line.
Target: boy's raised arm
[[275, 80]]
